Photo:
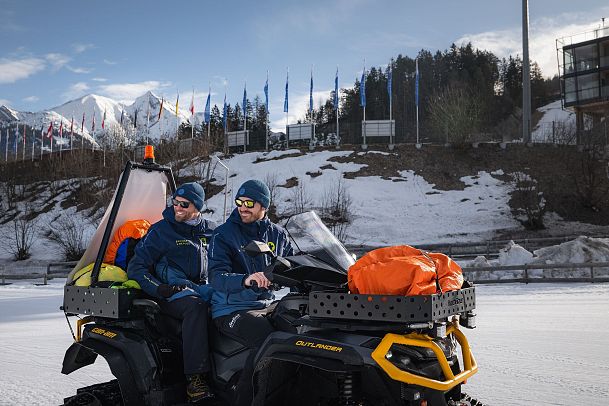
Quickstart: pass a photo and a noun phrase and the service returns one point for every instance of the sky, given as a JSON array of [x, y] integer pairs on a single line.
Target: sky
[[55, 51]]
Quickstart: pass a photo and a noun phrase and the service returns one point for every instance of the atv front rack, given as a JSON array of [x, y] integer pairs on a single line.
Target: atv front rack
[[391, 308]]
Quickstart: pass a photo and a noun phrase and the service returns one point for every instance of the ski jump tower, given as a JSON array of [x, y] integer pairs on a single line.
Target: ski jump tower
[[583, 66]]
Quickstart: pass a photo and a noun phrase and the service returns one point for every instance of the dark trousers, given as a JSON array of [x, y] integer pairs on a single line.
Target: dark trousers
[[193, 311], [250, 328]]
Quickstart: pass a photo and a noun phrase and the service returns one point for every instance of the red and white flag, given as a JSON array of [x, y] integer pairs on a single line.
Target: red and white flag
[[50, 131], [161, 109], [61, 129], [192, 104], [104, 121], [93, 122]]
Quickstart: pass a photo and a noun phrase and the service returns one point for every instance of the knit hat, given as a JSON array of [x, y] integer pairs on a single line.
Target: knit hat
[[257, 191], [193, 192]]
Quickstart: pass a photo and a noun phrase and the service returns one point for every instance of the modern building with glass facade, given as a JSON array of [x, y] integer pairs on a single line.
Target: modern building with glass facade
[[583, 62]]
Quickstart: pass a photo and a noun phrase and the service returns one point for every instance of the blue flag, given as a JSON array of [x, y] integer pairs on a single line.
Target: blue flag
[[389, 80], [416, 82], [362, 90], [336, 91], [266, 94], [311, 93], [207, 115], [224, 114], [285, 101], [245, 101]]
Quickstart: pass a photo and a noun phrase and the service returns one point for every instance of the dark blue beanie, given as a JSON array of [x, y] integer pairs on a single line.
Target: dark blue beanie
[[193, 192], [257, 191]]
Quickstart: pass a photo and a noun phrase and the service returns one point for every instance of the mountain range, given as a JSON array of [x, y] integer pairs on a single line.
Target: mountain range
[[140, 119]]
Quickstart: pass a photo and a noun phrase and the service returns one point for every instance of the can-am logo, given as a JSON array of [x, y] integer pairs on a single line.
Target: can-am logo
[[455, 301]]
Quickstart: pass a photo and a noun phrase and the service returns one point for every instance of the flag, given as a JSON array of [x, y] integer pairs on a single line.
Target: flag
[[224, 113], [148, 116], [285, 101], [362, 90], [122, 115], [72, 126], [244, 105], [389, 84], [104, 121], [192, 104], [161, 108], [93, 122], [50, 131], [135, 120], [177, 103], [24, 138], [336, 90], [416, 82], [16, 137], [207, 115], [266, 93], [82, 125], [311, 93], [61, 129]]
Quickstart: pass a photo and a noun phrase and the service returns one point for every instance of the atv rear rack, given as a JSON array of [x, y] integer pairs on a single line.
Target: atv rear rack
[[391, 308], [102, 302]]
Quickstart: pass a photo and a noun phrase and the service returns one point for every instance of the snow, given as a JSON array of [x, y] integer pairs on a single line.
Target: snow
[[552, 113], [539, 343]]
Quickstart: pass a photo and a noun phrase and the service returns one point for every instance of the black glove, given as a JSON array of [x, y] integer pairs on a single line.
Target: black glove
[[167, 291]]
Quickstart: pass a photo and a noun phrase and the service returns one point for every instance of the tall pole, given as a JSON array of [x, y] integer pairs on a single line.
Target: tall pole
[[417, 94], [6, 146], [266, 108], [526, 77], [23, 157]]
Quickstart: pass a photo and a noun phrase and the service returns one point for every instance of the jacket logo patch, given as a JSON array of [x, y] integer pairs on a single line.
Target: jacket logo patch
[[271, 245], [182, 242], [203, 240]]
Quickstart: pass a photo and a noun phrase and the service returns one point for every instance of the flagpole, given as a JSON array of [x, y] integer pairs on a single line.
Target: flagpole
[[209, 121], [177, 106], [266, 107], [6, 146], [390, 110], [192, 105], [33, 142], [41, 140], [417, 94], [24, 134]]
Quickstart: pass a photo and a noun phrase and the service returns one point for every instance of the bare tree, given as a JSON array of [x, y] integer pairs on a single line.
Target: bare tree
[[301, 200], [69, 236], [20, 237], [335, 208], [456, 112]]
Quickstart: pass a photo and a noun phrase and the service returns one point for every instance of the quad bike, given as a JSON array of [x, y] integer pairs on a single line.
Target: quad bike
[[329, 348]]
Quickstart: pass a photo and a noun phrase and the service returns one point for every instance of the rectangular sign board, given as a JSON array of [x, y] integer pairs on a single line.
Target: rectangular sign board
[[378, 128], [238, 138], [301, 131]]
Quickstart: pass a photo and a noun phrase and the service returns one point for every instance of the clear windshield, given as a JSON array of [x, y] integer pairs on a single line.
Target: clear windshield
[[311, 235]]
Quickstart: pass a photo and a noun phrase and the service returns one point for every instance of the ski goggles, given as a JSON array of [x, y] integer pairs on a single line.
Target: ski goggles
[[180, 203], [247, 203]]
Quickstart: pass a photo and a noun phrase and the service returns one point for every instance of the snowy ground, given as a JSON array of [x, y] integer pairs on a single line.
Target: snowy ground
[[537, 344]]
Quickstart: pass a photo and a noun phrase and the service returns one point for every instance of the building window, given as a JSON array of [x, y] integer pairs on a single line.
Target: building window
[[587, 86], [586, 57]]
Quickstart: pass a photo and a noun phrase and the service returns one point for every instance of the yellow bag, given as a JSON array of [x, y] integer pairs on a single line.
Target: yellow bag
[[107, 272]]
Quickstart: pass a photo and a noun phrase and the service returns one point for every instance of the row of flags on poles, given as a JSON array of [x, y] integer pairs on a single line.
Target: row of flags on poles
[[207, 111]]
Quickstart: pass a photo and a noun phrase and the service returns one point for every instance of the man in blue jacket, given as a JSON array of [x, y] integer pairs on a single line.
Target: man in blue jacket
[[239, 311], [170, 264]]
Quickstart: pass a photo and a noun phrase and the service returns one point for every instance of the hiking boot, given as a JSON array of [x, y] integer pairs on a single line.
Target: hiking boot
[[198, 389]]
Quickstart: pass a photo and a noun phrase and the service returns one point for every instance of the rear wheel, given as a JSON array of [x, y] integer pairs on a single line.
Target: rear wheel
[[465, 400], [101, 394]]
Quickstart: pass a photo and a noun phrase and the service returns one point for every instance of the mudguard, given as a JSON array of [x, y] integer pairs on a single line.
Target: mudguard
[[76, 357]]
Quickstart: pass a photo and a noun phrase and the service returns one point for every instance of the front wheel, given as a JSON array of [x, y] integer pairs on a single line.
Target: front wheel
[[101, 394], [465, 400]]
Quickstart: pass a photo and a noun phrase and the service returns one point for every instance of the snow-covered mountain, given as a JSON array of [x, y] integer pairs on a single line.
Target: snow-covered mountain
[[136, 121]]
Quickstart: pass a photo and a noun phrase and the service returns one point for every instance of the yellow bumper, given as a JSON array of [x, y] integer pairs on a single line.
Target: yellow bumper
[[422, 340]]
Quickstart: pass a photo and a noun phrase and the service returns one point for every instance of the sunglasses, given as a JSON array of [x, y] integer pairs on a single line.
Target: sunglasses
[[180, 203], [247, 203]]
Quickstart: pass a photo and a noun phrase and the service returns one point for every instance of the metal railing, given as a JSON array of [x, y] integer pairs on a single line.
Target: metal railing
[[526, 277], [53, 269]]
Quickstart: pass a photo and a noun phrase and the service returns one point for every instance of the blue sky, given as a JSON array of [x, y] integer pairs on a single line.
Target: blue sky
[[54, 51]]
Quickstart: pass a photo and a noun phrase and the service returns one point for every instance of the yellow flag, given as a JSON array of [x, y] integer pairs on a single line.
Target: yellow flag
[[177, 102]]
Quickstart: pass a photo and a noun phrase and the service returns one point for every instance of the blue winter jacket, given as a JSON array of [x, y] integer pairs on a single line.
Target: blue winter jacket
[[229, 265], [171, 252]]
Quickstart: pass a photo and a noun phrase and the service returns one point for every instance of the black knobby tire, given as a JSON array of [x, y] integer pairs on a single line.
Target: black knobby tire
[[467, 400], [101, 394]]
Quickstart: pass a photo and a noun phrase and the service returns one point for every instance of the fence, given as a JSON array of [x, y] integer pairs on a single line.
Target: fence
[[526, 276], [50, 272]]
